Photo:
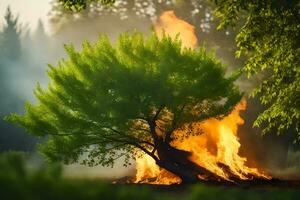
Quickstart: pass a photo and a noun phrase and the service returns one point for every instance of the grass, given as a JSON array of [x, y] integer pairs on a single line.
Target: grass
[[46, 183]]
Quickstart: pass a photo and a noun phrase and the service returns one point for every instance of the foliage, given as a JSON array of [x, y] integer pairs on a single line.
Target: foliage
[[269, 37], [108, 100], [78, 5], [41, 183]]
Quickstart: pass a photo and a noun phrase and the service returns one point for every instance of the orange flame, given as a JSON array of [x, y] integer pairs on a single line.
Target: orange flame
[[217, 148], [172, 26]]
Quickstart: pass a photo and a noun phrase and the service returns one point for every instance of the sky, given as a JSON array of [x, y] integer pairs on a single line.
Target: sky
[[30, 11]]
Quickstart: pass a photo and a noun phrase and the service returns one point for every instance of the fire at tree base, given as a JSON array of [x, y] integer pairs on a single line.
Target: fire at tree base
[[216, 149]]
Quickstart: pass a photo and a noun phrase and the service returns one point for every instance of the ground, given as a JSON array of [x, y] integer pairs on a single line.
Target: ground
[[47, 182]]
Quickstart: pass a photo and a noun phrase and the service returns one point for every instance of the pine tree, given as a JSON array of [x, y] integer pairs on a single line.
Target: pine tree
[[10, 51], [40, 33], [10, 44], [11, 138]]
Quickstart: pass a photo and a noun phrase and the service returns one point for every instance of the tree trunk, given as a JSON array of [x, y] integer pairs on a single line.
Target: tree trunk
[[177, 162]]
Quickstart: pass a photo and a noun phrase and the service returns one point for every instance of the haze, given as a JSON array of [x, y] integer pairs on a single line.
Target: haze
[[30, 11]]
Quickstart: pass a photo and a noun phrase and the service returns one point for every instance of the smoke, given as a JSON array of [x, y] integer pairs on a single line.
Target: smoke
[[292, 168]]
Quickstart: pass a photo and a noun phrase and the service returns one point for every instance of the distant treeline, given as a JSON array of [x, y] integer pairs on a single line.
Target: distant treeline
[[21, 56]]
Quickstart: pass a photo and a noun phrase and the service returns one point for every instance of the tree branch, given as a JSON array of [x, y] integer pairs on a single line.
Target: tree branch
[[147, 152], [158, 112], [175, 121], [152, 124]]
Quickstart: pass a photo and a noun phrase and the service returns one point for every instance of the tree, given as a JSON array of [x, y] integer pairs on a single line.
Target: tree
[[10, 45], [111, 101], [269, 38], [10, 51], [12, 64], [42, 45], [40, 33]]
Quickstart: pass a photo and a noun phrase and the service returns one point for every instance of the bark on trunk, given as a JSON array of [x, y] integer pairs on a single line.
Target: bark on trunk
[[177, 162]]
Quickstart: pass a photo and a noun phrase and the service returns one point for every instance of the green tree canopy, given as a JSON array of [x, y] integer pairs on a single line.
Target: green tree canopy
[[110, 100], [270, 39]]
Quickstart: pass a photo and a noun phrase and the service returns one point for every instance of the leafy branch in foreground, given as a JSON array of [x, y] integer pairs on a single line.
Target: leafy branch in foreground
[[270, 38]]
